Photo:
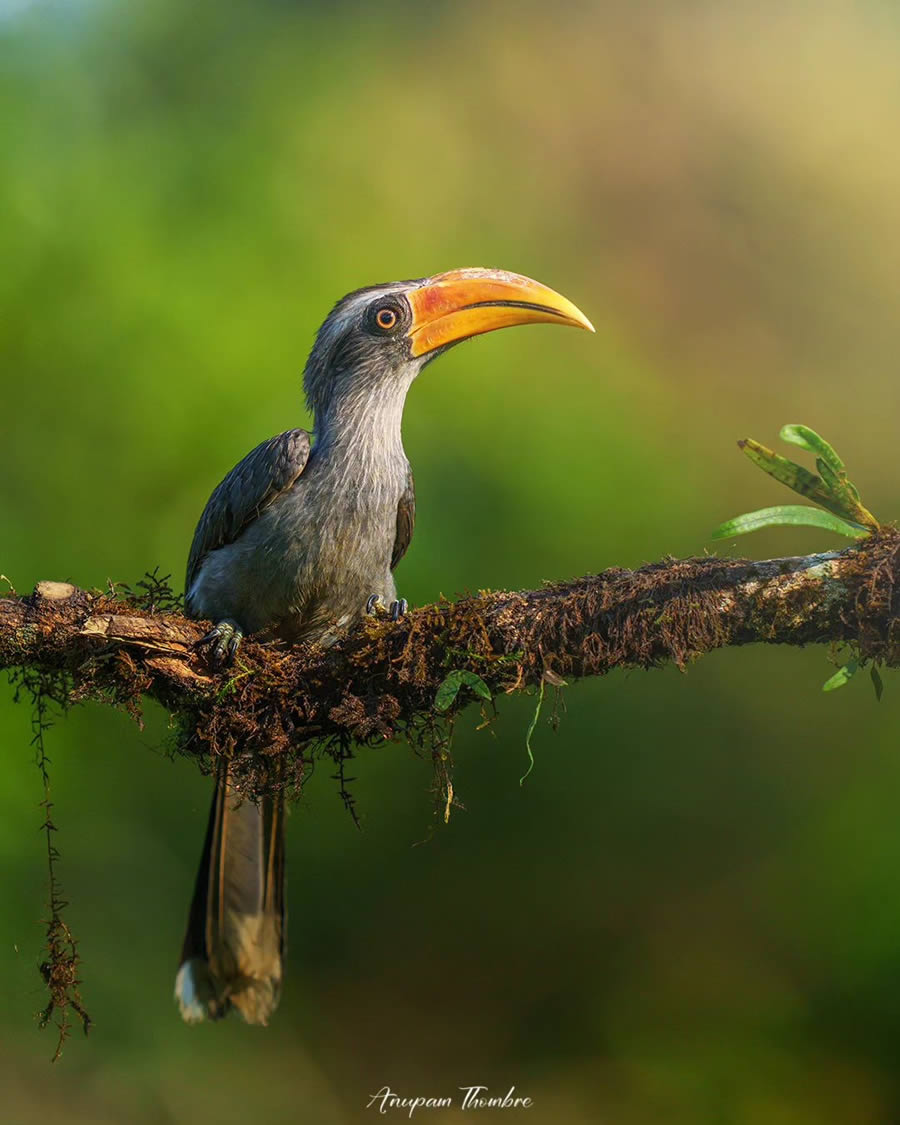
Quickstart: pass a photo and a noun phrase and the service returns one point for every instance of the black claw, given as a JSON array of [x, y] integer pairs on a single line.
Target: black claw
[[223, 642], [395, 611]]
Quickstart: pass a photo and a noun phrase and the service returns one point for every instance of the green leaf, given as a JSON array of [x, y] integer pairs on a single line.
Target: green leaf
[[783, 470], [842, 676], [840, 485], [477, 684], [448, 691], [877, 682], [809, 440], [843, 492], [788, 515], [446, 694], [830, 478], [832, 490]]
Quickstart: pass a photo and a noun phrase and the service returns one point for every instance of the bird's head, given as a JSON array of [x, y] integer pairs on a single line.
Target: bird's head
[[376, 341]]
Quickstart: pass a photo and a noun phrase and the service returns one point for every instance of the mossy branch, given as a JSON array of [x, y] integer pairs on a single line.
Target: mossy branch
[[381, 680]]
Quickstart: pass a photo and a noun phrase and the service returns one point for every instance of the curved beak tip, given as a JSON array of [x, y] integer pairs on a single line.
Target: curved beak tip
[[454, 306]]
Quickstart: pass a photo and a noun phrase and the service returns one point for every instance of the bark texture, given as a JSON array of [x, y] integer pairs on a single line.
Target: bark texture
[[380, 681]]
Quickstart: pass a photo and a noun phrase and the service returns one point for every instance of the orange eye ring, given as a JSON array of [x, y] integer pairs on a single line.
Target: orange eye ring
[[386, 319]]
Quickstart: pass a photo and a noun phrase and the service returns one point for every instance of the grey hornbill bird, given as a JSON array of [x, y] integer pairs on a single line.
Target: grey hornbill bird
[[297, 542]]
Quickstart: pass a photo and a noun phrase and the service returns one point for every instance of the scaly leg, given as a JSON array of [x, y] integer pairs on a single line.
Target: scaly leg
[[223, 641], [396, 610]]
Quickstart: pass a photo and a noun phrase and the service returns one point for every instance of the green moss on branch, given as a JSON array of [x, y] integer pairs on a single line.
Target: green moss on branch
[[380, 681]]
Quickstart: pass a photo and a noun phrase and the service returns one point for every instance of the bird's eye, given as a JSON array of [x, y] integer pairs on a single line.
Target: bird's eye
[[385, 316]]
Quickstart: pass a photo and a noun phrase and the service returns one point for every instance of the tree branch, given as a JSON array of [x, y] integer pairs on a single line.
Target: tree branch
[[380, 680]]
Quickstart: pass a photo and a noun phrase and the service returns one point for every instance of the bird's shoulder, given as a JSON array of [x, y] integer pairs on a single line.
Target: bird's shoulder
[[267, 471]]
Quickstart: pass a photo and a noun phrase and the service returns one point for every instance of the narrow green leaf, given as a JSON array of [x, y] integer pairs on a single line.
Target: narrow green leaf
[[811, 441], [830, 478], [446, 694], [841, 676], [787, 472], [836, 493], [787, 515], [839, 484], [843, 492], [877, 682]]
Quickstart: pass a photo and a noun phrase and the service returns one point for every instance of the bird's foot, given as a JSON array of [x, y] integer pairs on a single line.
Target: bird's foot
[[223, 642], [395, 611]]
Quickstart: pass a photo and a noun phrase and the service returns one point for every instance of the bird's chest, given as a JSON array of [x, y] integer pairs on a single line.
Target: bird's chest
[[356, 534], [343, 555]]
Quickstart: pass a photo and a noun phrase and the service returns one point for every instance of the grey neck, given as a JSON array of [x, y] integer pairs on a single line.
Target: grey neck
[[363, 427]]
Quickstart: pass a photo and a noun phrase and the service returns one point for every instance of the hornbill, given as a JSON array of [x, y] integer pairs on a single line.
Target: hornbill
[[297, 542]]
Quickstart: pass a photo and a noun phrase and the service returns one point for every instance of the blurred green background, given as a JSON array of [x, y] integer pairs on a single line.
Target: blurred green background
[[690, 912]]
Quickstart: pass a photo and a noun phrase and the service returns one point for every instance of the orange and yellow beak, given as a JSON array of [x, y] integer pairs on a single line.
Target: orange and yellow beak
[[462, 303]]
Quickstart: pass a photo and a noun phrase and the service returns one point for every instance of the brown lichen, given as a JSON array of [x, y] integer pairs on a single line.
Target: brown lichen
[[379, 682]]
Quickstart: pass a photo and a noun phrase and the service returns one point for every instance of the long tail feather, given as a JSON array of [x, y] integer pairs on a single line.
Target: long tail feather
[[234, 946]]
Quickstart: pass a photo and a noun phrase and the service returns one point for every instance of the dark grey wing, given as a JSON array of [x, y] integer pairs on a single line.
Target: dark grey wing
[[406, 521], [251, 486]]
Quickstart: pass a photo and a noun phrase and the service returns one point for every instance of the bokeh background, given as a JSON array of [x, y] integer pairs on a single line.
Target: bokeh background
[[691, 911]]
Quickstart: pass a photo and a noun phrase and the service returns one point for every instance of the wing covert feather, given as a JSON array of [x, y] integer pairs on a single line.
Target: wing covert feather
[[406, 521], [251, 486]]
